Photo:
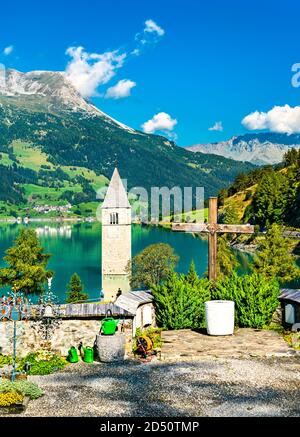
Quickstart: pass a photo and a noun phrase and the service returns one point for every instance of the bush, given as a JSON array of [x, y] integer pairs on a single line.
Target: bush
[[293, 339], [255, 297], [5, 360], [42, 363], [26, 388], [179, 302], [10, 398]]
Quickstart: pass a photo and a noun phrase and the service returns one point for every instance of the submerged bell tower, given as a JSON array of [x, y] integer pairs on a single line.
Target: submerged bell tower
[[116, 238]]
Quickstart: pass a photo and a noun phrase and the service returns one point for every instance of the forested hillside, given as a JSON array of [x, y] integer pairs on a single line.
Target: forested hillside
[[267, 195]]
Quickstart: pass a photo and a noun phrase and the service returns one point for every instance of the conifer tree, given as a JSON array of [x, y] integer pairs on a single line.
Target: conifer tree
[[75, 289], [27, 264], [274, 258], [192, 276], [271, 197]]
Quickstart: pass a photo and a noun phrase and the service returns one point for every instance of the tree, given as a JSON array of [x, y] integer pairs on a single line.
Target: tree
[[291, 157], [152, 266], [293, 207], [226, 260], [231, 215], [27, 264], [294, 213], [271, 197], [223, 194], [75, 289], [274, 258], [192, 277]]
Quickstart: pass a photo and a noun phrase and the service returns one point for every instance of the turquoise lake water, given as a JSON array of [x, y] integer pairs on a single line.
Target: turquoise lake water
[[77, 248]]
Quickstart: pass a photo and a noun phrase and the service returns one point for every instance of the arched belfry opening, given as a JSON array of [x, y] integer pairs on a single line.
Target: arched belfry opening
[[114, 218]]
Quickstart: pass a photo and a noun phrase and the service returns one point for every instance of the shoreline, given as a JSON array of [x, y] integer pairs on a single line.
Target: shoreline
[[246, 248], [47, 220]]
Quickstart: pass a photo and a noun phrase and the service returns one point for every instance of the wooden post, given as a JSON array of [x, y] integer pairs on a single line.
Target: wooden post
[[212, 228], [212, 238]]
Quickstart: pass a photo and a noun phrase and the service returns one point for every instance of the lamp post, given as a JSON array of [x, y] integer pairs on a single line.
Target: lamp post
[[14, 308]]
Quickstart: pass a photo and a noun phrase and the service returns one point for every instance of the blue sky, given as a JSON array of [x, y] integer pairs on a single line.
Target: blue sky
[[209, 62]]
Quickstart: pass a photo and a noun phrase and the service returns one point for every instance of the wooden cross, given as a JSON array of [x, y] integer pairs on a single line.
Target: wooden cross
[[212, 228]]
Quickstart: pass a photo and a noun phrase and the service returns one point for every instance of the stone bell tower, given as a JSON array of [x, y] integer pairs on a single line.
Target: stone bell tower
[[116, 238]]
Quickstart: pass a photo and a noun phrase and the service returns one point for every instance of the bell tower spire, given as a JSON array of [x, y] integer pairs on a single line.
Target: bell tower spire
[[116, 238]]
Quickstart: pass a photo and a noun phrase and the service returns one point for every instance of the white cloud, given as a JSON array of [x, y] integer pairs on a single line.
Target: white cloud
[[151, 34], [8, 50], [281, 119], [218, 126], [120, 90], [160, 122], [152, 27], [136, 52], [87, 71]]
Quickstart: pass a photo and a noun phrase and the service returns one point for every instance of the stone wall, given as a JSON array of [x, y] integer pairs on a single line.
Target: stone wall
[[69, 333]]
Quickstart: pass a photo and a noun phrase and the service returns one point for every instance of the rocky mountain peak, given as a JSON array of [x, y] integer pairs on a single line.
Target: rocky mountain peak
[[259, 149], [52, 90]]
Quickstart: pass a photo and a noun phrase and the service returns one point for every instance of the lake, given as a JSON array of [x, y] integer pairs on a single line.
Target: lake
[[77, 248]]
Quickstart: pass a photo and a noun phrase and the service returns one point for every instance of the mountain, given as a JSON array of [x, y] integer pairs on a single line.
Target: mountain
[[259, 149], [71, 147]]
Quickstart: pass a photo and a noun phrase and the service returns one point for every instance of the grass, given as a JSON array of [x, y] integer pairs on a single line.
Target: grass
[[36, 192], [30, 157], [86, 209], [97, 181], [166, 222], [5, 160], [7, 211], [238, 201]]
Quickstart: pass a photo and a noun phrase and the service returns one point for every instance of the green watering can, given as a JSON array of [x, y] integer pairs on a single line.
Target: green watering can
[[109, 324], [73, 355], [88, 354]]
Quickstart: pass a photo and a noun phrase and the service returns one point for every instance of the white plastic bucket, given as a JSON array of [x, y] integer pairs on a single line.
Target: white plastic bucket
[[219, 316]]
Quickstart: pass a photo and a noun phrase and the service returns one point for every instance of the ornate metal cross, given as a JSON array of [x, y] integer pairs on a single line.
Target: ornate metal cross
[[13, 308], [212, 228]]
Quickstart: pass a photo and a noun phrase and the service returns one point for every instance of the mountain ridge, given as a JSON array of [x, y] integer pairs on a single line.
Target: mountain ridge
[[46, 126], [259, 148]]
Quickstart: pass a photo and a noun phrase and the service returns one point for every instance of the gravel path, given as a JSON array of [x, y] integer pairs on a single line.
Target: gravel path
[[212, 387]]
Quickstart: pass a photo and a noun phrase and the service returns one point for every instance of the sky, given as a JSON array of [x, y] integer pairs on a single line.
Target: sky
[[195, 71]]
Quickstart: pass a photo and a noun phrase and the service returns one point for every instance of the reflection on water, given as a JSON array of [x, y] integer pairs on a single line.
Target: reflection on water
[[51, 231], [111, 284]]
